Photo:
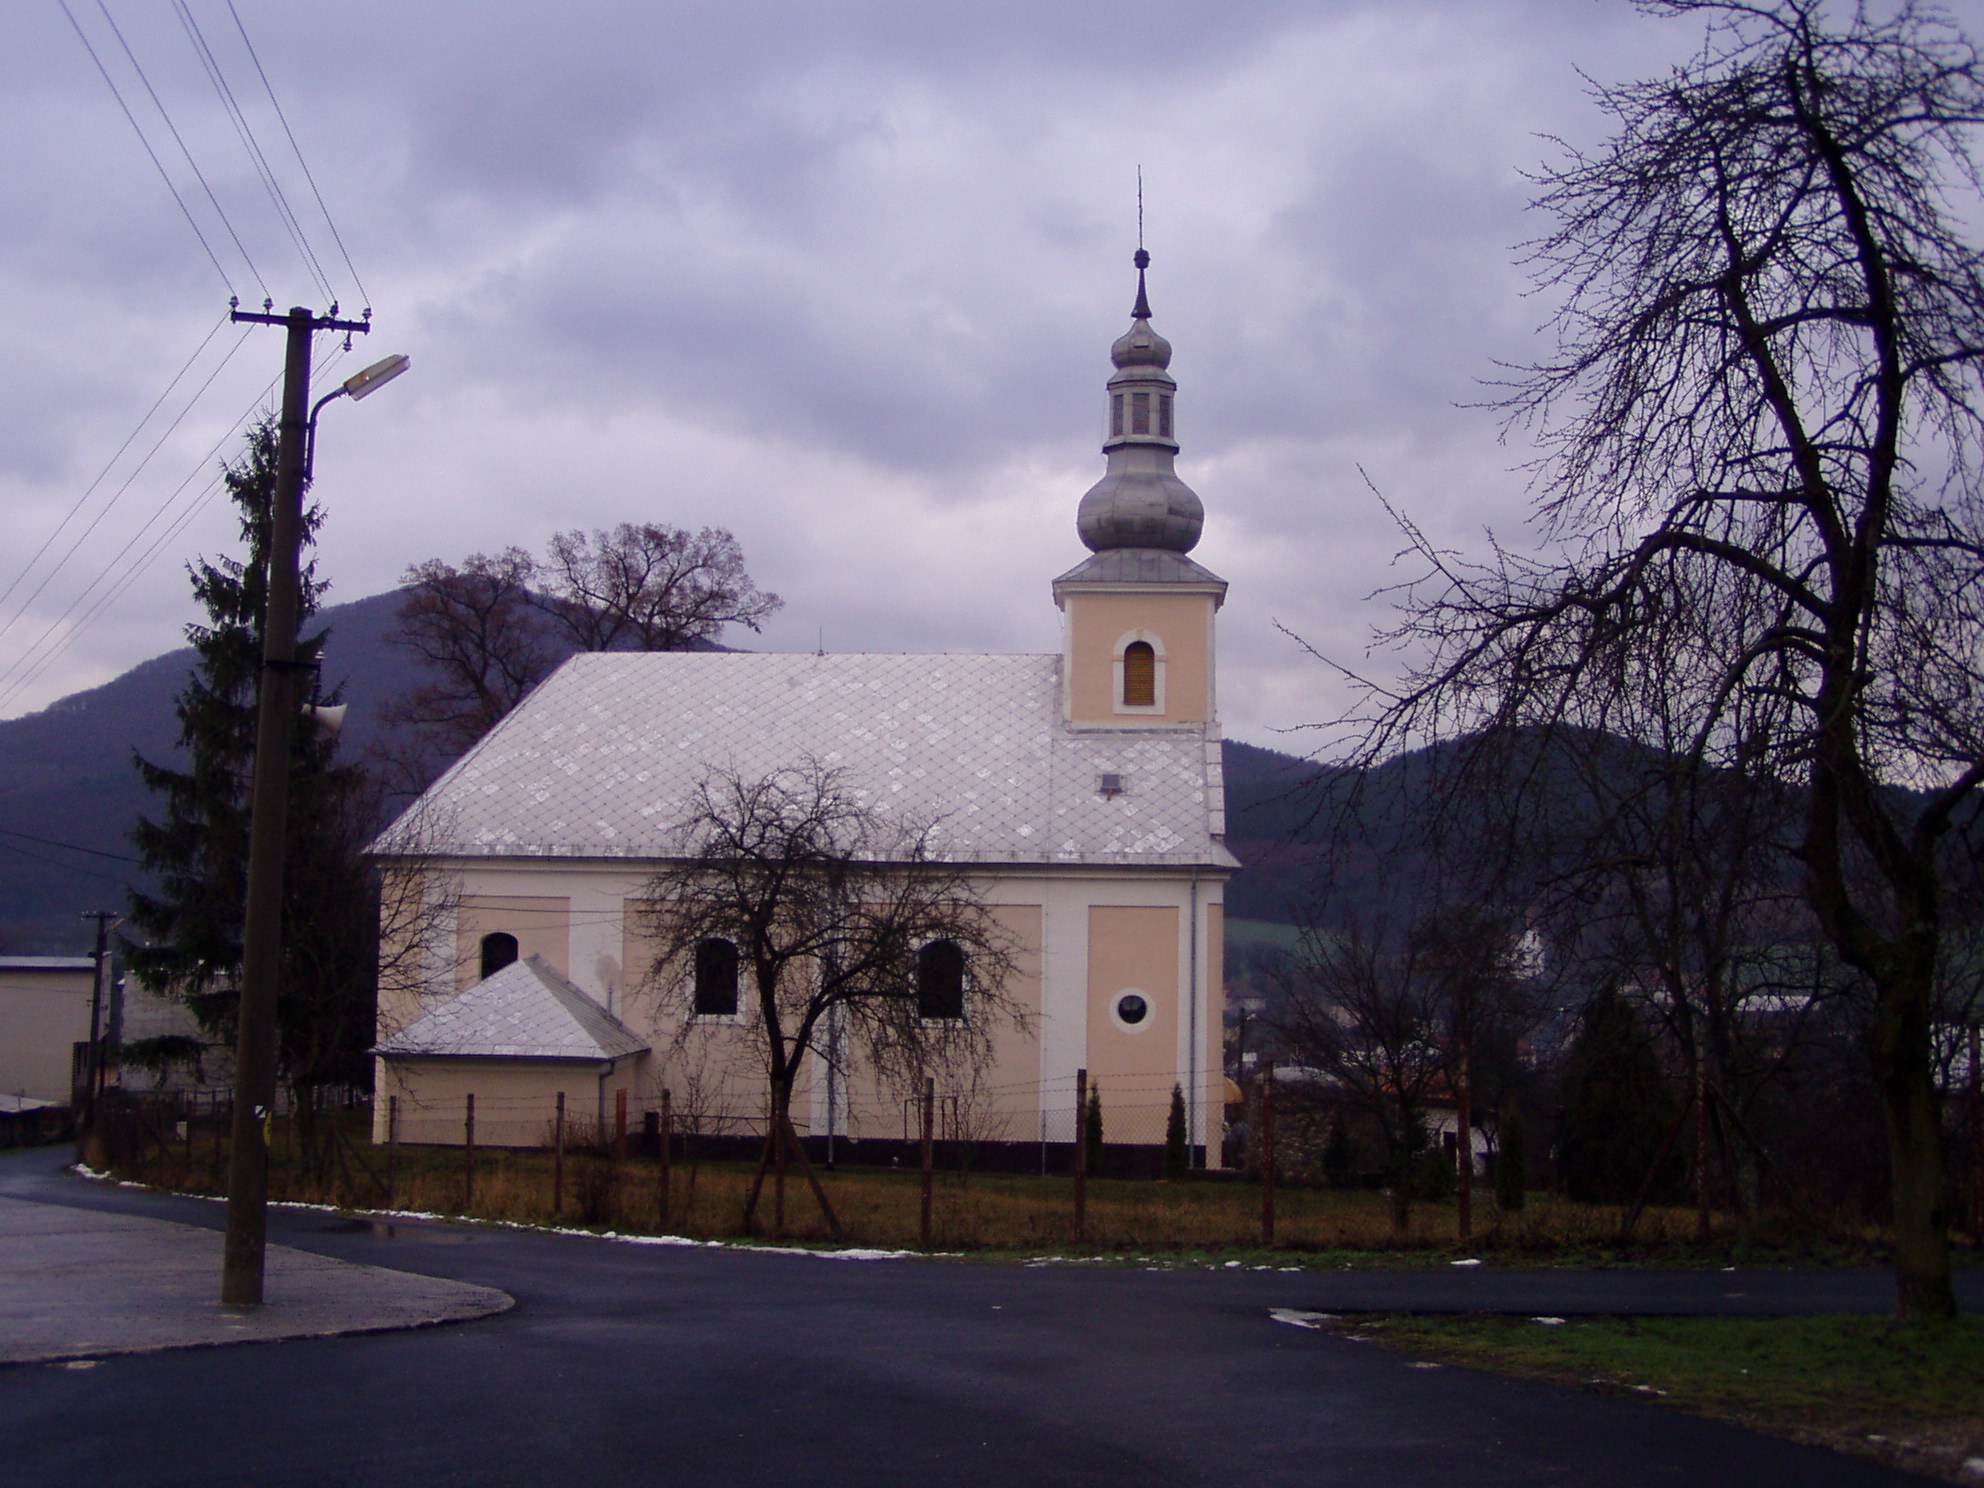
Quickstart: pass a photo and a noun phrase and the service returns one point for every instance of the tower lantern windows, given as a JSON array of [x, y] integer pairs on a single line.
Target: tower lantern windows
[[1139, 675], [1140, 413], [1164, 415], [1115, 415]]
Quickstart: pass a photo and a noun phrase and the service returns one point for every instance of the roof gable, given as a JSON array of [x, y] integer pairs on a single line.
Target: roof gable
[[525, 1011], [604, 758]]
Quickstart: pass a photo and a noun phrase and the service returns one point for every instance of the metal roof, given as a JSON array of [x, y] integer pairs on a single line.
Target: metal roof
[[603, 760], [525, 1011]]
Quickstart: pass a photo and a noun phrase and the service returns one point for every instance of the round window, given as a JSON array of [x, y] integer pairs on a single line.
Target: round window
[[1132, 1008]]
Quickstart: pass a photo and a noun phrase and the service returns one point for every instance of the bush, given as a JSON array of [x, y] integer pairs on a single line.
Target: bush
[[1511, 1163]]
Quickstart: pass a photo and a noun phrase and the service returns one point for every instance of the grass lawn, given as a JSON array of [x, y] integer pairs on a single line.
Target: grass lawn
[[1909, 1394], [994, 1216]]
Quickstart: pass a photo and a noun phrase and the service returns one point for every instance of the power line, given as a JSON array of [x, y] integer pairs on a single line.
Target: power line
[[164, 176], [194, 165], [95, 852], [144, 559], [246, 133], [97, 520], [336, 236], [110, 464], [65, 867], [36, 665]]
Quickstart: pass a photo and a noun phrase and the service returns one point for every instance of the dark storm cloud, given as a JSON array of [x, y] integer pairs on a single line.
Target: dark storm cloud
[[842, 277]]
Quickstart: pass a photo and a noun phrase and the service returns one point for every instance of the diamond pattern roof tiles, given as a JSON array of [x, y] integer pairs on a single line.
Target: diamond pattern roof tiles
[[604, 758], [525, 1011]]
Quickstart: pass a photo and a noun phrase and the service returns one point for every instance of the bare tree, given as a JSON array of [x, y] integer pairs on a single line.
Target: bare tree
[[1761, 435], [847, 925], [485, 644], [491, 628], [1667, 874], [1367, 1009], [651, 587]]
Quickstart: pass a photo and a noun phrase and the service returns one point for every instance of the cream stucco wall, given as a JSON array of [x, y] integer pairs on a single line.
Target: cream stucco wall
[[1081, 935], [43, 1016], [1178, 625], [516, 1100], [542, 924], [1133, 949]]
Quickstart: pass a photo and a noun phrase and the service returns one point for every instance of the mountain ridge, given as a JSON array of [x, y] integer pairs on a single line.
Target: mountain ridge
[[67, 778]]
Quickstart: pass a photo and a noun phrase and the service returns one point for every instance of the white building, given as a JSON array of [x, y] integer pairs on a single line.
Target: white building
[[1081, 790]]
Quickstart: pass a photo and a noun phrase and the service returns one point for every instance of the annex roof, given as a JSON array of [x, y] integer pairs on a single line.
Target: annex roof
[[525, 1011], [604, 758]]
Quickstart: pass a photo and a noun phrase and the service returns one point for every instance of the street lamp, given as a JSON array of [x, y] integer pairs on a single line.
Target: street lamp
[[363, 385], [246, 1244]]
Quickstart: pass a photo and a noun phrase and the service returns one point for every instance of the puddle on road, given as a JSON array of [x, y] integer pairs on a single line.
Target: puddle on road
[[382, 1229]]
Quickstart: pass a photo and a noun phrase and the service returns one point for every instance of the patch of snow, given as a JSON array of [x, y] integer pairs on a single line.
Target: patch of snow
[[1296, 1319]]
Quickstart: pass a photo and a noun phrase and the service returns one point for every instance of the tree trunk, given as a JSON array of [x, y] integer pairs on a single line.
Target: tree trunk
[[1403, 1154], [781, 1117], [1902, 1053]]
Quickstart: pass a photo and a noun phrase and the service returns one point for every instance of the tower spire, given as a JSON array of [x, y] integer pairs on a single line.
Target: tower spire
[[1140, 502]]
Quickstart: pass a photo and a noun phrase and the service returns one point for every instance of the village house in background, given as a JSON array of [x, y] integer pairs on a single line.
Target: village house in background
[[44, 1039], [1081, 791]]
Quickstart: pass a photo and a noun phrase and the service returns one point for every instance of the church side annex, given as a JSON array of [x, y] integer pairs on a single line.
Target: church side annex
[[1081, 792]]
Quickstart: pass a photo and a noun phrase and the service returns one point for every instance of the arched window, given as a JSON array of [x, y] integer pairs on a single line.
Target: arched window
[[716, 979], [940, 980], [498, 951], [1139, 675]]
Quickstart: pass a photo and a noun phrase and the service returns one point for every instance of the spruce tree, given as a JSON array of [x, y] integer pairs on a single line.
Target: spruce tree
[[1177, 1138], [188, 930], [1617, 1106]]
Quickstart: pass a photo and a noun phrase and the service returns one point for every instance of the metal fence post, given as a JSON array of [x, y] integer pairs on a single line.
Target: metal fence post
[[929, 1120], [1081, 1154], [392, 1152], [558, 1159], [1267, 1156], [468, 1165], [661, 1172]]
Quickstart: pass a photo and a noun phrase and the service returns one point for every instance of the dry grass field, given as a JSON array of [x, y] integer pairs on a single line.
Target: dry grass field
[[990, 1214]]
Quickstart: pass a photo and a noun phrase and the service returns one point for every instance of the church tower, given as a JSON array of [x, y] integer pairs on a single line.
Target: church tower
[[1137, 615]]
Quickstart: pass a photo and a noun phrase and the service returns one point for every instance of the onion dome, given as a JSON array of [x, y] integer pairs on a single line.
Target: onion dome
[[1140, 502]]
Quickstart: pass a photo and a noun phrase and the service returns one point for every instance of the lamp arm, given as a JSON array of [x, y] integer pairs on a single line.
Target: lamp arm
[[310, 430]]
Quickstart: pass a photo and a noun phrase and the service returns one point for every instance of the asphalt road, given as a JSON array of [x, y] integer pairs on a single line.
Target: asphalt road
[[625, 1364]]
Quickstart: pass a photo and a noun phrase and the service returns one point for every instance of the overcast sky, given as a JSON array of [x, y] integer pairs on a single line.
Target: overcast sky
[[841, 277]]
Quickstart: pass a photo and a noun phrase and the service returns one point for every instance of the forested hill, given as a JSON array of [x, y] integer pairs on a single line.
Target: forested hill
[[67, 779], [66, 775]]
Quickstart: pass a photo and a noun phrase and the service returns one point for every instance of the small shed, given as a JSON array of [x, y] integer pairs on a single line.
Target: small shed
[[516, 1040]]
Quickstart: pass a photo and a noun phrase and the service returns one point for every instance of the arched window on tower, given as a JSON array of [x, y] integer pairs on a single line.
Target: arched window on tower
[[940, 980], [1139, 675], [716, 978], [498, 951]]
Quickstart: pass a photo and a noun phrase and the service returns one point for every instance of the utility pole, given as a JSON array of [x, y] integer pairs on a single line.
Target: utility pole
[[94, 1088], [261, 948]]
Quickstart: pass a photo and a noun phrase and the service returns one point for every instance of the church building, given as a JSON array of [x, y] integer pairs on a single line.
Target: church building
[[1081, 792]]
